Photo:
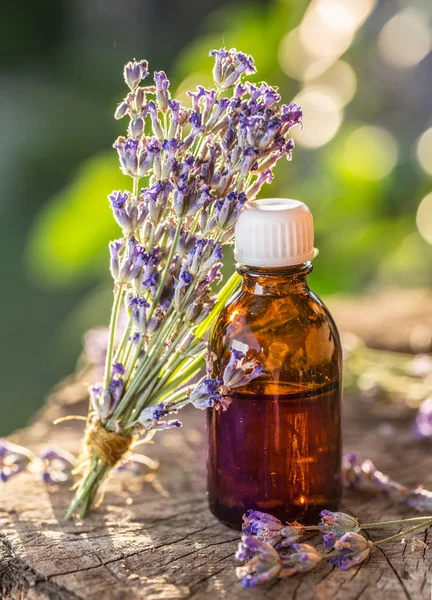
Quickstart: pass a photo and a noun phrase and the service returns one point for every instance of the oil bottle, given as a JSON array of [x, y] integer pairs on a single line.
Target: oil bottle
[[277, 447]]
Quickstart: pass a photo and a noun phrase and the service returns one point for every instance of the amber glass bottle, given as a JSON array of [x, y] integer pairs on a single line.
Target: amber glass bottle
[[277, 448]]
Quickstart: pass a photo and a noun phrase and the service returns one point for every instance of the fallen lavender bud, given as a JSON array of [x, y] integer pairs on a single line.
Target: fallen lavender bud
[[270, 529], [351, 550], [57, 465], [14, 459], [266, 563], [335, 525]]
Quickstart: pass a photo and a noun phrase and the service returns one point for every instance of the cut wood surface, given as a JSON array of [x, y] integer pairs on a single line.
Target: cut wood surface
[[153, 536]]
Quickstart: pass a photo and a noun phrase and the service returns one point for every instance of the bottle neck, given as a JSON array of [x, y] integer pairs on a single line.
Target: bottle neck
[[275, 281]]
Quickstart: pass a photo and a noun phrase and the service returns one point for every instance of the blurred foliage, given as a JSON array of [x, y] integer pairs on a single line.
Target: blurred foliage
[[71, 231]]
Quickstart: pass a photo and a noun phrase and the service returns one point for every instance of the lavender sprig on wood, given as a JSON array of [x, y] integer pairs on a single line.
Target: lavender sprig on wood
[[192, 169]]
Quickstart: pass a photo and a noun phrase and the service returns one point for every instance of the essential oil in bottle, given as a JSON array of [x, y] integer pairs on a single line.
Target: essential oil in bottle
[[277, 447]]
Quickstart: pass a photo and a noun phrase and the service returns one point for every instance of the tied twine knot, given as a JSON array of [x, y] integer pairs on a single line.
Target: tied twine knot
[[107, 445]]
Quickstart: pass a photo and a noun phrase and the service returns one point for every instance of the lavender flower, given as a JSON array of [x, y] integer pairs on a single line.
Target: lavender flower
[[228, 210], [57, 465], [264, 566], [271, 530], [150, 418], [291, 115], [206, 393], [134, 72], [129, 266], [14, 459], [335, 525], [129, 215], [423, 422], [230, 66], [128, 151], [238, 372], [162, 94], [266, 563], [137, 307], [352, 549], [214, 392]]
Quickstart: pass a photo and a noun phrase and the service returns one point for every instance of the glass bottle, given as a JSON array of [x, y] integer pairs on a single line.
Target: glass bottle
[[277, 447]]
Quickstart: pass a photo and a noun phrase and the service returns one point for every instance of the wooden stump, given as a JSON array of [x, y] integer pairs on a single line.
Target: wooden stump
[[153, 537]]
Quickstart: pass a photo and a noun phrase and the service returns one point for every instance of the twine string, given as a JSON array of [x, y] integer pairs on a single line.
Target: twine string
[[109, 446]]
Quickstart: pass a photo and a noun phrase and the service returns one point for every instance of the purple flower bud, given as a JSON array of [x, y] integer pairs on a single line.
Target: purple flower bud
[[151, 109], [229, 67], [171, 148], [14, 459], [335, 525], [206, 394], [136, 127], [196, 97], [151, 416], [115, 247], [269, 529], [121, 110], [239, 372], [291, 115], [248, 161], [137, 307], [118, 204], [134, 72], [265, 565], [228, 210], [352, 549], [139, 97], [128, 151], [117, 369], [58, 465], [196, 122], [162, 94], [272, 128], [96, 393]]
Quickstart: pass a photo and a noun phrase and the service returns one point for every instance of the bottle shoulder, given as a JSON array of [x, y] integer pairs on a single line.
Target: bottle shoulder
[[279, 314], [293, 336]]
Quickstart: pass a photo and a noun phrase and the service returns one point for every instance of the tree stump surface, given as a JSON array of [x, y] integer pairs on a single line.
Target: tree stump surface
[[153, 536]]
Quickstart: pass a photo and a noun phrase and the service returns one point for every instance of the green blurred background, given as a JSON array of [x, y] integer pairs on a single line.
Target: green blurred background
[[361, 70]]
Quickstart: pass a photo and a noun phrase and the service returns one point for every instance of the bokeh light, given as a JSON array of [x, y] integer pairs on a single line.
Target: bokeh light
[[324, 117], [424, 218], [329, 26], [424, 150], [325, 33], [340, 81], [406, 39], [297, 62], [370, 152]]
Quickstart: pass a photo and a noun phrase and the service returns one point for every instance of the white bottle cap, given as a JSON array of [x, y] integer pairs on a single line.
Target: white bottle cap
[[274, 232]]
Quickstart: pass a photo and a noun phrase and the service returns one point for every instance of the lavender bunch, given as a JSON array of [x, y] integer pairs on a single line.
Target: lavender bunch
[[192, 169], [341, 544]]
